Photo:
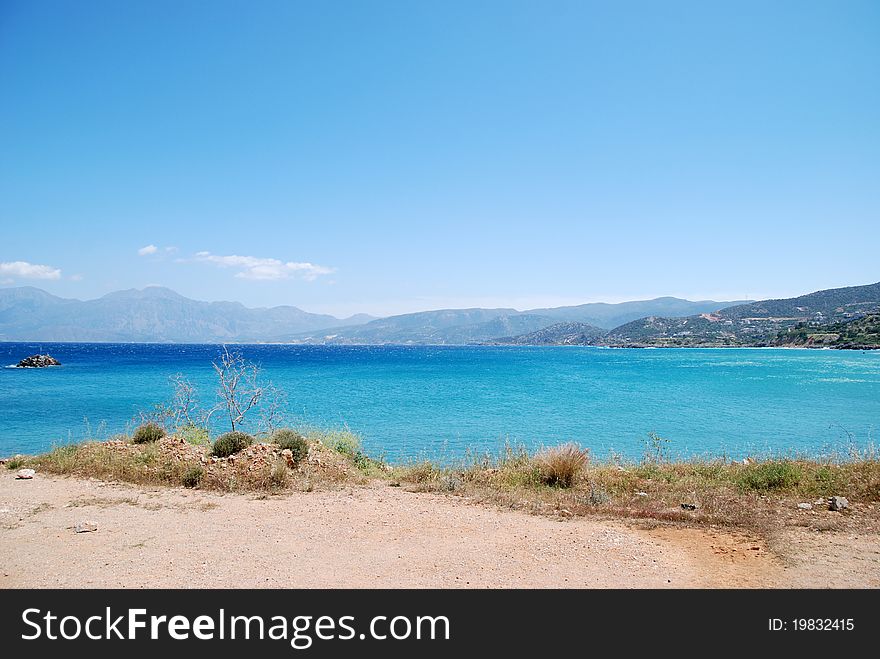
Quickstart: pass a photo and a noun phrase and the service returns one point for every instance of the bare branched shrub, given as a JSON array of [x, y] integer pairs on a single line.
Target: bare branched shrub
[[272, 407], [561, 465], [239, 389], [181, 412], [184, 404]]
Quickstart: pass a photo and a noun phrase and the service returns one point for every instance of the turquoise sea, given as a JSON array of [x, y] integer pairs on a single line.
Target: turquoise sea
[[441, 402]]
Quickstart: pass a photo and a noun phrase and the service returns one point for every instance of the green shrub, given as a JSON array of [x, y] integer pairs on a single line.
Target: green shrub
[[15, 463], [192, 477], [230, 443], [827, 480], [341, 441], [286, 438], [348, 444], [193, 434], [148, 432], [560, 466], [774, 475]]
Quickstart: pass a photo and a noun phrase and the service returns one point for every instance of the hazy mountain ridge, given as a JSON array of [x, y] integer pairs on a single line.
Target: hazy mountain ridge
[[606, 315], [153, 314], [158, 314], [463, 326]]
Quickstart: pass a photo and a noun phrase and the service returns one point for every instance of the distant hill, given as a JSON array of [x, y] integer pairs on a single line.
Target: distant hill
[[753, 324], [463, 326], [559, 334], [446, 326], [153, 314], [608, 316], [858, 334]]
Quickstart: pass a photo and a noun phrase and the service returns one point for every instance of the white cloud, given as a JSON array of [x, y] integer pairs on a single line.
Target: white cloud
[[253, 267], [147, 250], [25, 270]]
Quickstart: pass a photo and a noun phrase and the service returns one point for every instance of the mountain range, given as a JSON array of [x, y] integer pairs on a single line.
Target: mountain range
[[157, 314], [464, 326]]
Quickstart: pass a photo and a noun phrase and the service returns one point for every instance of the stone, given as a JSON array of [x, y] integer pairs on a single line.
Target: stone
[[688, 506], [85, 527], [287, 454], [565, 512], [451, 483], [805, 506], [38, 361], [641, 494], [25, 474], [838, 503]]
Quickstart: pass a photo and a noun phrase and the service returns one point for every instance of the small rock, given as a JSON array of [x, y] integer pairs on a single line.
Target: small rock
[[287, 455], [38, 361], [565, 512], [85, 527], [688, 506], [641, 494], [25, 474], [838, 503], [805, 506]]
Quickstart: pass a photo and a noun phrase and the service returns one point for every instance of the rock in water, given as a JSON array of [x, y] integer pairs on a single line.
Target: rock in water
[[85, 527], [38, 361], [25, 474], [838, 503]]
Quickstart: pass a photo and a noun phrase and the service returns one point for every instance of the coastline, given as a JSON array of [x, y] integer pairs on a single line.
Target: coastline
[[416, 528]]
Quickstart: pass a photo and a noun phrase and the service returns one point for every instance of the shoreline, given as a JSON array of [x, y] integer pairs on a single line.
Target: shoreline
[[336, 518], [381, 537]]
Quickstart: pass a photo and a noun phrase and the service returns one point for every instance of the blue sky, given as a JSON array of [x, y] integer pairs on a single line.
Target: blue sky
[[397, 156]]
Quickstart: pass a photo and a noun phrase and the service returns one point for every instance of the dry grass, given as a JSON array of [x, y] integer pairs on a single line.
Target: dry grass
[[755, 495], [555, 481], [561, 466]]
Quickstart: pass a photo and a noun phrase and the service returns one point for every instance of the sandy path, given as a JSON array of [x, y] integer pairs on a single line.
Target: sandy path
[[362, 537]]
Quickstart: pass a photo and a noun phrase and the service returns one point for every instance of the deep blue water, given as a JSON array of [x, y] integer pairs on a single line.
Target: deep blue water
[[439, 402]]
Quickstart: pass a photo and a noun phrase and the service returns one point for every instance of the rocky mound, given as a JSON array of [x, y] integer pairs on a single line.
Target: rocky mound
[[38, 361]]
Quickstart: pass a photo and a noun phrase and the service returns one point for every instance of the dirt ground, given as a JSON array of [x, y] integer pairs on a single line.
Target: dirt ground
[[381, 536]]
